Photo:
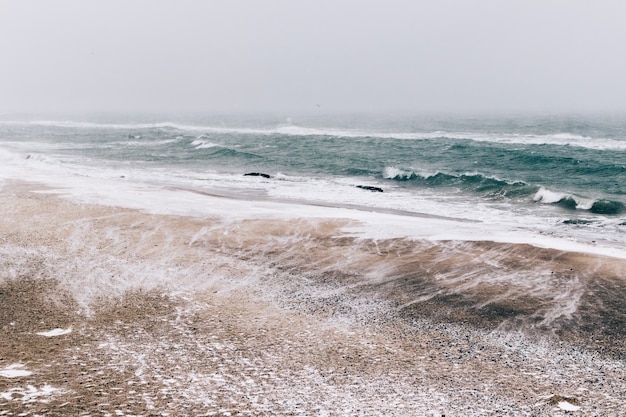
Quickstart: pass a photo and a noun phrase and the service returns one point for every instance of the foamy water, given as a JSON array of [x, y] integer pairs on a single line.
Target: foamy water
[[223, 303], [140, 165]]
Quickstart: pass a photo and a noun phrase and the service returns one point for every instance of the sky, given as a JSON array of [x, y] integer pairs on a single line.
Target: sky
[[303, 55]]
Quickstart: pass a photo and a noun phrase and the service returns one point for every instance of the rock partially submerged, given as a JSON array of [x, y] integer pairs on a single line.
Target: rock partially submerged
[[370, 188], [256, 174]]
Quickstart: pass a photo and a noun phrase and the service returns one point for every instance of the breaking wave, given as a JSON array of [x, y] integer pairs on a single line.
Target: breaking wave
[[203, 144], [474, 182], [492, 187], [571, 202]]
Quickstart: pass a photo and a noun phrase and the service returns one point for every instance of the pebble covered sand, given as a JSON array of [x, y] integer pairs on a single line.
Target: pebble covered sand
[[108, 311]]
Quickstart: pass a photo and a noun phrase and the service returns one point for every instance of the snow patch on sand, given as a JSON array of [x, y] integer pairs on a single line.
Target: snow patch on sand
[[14, 371], [564, 405], [29, 394], [56, 332]]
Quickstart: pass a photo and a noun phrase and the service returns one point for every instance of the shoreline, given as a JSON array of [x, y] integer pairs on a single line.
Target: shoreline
[[366, 222], [176, 315], [259, 197]]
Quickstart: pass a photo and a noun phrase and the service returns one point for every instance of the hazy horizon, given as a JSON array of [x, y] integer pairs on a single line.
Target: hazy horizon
[[454, 57]]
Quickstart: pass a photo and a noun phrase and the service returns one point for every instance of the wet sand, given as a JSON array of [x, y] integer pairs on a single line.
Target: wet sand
[[111, 311]]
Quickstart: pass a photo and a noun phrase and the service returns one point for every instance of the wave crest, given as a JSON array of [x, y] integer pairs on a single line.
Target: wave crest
[[203, 144], [571, 202], [474, 182]]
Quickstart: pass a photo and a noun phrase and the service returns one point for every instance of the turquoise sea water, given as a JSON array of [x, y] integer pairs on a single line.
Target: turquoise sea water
[[543, 171]]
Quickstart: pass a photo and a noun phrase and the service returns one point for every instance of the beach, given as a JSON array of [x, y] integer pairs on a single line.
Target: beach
[[281, 208], [118, 310]]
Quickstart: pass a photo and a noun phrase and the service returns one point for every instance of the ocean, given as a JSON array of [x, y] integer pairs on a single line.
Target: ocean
[[313, 265], [562, 176]]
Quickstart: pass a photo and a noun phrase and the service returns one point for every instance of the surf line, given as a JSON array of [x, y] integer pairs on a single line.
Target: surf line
[[261, 197]]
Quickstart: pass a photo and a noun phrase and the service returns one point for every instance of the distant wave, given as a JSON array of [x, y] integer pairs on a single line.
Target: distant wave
[[221, 153], [144, 143], [124, 126], [561, 139], [203, 144]]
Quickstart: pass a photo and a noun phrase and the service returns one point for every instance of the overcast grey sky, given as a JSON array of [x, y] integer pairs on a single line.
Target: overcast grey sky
[[343, 55]]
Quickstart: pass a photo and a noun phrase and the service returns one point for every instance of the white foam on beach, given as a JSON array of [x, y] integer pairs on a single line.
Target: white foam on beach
[[369, 224], [375, 214], [30, 394], [56, 332], [15, 371], [564, 405], [112, 275]]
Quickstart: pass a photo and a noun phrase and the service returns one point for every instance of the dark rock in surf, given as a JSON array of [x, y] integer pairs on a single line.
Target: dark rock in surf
[[370, 188], [577, 221], [256, 174]]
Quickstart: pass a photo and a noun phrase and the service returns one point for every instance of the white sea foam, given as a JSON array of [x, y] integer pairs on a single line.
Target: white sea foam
[[560, 139], [544, 195], [374, 225], [393, 172], [151, 190], [203, 144], [9, 158], [140, 143]]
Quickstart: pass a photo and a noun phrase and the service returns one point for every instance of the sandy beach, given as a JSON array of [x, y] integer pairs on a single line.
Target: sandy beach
[[315, 209], [109, 311]]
